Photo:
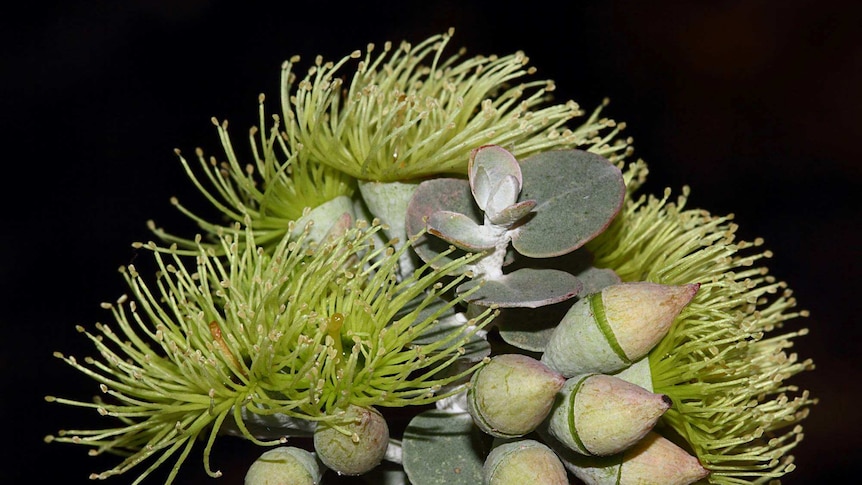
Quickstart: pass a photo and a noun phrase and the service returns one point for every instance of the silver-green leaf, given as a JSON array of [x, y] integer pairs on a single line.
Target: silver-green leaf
[[578, 193], [444, 448]]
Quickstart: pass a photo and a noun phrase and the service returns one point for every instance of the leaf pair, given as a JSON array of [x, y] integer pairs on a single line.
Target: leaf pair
[[548, 205]]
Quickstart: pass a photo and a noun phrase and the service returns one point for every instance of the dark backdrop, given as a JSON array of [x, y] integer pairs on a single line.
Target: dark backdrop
[[752, 103]]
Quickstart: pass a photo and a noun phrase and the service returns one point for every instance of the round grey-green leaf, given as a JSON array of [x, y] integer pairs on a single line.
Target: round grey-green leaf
[[444, 448], [442, 194], [578, 193], [526, 287]]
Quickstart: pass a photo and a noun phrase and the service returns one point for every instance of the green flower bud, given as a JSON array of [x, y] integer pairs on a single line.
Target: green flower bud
[[285, 465], [523, 462], [355, 444], [653, 460], [656, 459], [607, 331], [603, 415], [512, 394]]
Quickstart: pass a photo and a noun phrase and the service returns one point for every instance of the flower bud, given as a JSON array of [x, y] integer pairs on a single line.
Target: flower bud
[[512, 394], [654, 459], [607, 331], [659, 460], [602, 415], [523, 462], [354, 445], [285, 465]]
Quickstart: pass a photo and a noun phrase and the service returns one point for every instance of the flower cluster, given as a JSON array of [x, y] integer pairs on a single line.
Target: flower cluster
[[407, 113], [300, 333], [294, 316], [725, 372]]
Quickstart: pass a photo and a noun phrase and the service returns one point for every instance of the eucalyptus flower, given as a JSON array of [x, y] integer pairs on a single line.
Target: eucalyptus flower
[[724, 361], [409, 112], [281, 184], [305, 332]]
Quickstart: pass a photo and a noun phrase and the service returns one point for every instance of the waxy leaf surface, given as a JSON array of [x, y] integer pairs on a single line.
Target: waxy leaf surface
[[578, 194]]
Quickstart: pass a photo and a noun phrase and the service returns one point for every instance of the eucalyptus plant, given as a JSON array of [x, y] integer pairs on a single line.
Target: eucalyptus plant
[[431, 233]]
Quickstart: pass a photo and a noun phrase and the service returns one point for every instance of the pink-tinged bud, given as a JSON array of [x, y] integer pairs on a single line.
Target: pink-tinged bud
[[512, 394], [607, 331], [523, 462], [284, 465], [656, 459], [653, 460], [603, 415], [355, 444]]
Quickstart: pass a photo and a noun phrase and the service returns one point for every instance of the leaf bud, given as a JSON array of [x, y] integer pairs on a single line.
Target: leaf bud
[[354, 445], [523, 462], [602, 415], [512, 394], [284, 465], [606, 331]]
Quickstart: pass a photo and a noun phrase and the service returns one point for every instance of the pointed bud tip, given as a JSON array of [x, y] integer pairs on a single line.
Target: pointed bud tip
[[602, 415], [641, 313], [512, 394], [659, 460]]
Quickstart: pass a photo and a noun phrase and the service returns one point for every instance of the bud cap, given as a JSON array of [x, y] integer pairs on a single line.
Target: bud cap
[[603, 415], [656, 459], [640, 314], [523, 462], [354, 445], [607, 331], [284, 465], [512, 394]]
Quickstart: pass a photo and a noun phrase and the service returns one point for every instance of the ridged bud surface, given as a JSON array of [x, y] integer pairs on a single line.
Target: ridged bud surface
[[358, 451], [512, 394], [524, 462], [603, 415], [607, 331], [284, 466], [656, 459]]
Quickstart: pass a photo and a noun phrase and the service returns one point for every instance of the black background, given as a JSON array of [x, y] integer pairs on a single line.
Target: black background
[[754, 104]]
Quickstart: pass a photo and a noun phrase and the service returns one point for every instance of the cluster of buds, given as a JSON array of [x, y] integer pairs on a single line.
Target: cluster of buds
[[579, 398]]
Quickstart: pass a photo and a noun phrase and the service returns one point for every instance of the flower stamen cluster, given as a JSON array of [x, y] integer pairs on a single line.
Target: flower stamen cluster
[[400, 118], [724, 373], [281, 186], [303, 332]]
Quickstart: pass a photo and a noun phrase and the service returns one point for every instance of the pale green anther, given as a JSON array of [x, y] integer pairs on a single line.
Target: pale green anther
[[291, 316], [719, 360], [412, 111], [251, 334]]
